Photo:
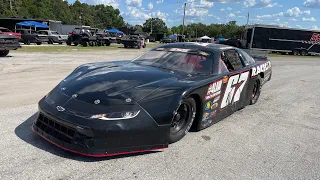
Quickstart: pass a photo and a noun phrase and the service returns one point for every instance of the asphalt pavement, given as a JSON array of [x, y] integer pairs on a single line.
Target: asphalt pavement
[[277, 138]]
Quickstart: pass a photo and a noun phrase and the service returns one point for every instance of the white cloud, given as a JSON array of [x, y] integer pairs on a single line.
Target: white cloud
[[135, 16], [312, 19], [160, 15], [270, 15], [315, 27], [229, 8], [222, 9], [134, 3], [150, 6], [293, 19], [112, 3], [260, 4], [231, 15], [205, 4], [196, 12], [296, 12], [312, 3], [278, 20], [237, 12], [159, 1]]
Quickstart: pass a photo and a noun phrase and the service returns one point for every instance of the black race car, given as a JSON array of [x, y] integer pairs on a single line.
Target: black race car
[[120, 107]]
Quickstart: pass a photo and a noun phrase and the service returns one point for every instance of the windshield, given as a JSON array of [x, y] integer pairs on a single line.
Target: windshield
[[5, 30], [182, 60]]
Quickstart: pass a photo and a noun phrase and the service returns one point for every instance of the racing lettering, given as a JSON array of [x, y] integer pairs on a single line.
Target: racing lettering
[[214, 90], [234, 89], [262, 68]]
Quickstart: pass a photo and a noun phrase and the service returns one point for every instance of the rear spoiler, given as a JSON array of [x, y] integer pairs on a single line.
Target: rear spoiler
[[257, 54]]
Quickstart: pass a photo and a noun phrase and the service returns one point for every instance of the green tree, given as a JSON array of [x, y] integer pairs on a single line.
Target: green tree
[[157, 24]]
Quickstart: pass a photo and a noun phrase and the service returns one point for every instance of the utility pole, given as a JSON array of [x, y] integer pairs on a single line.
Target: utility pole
[[184, 15], [248, 17], [11, 6]]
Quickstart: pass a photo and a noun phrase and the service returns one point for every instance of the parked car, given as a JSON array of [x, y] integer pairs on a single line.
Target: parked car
[[9, 32], [122, 107], [7, 43], [30, 36], [54, 36], [133, 41]]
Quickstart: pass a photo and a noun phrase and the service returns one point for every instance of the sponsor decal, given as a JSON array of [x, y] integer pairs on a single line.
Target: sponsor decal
[[261, 68], [225, 79], [204, 53], [60, 108], [214, 90], [213, 113], [97, 101], [208, 105], [234, 89], [315, 38], [205, 116], [179, 50], [214, 106]]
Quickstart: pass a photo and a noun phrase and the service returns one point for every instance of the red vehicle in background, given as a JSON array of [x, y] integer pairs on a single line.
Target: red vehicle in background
[[8, 32]]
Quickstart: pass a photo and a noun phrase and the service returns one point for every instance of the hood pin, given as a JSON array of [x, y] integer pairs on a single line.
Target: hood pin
[[97, 101]]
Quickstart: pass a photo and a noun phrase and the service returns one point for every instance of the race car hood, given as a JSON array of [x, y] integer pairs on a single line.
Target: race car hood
[[115, 83]]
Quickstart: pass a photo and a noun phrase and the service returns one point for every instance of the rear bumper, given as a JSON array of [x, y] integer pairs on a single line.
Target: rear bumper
[[9, 46]]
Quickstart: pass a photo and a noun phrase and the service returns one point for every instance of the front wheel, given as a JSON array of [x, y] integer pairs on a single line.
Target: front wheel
[[39, 43], [4, 53], [255, 92], [182, 120]]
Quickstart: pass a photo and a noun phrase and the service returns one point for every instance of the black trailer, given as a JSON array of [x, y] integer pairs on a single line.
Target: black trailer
[[282, 39]]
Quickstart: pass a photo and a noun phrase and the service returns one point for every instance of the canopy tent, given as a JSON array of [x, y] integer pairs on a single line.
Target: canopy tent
[[32, 24], [205, 37], [173, 36], [115, 31]]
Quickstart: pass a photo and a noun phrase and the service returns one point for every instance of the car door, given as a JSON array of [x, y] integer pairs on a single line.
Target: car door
[[235, 91]]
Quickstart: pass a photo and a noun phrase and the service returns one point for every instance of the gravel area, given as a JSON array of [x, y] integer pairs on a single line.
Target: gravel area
[[277, 138]]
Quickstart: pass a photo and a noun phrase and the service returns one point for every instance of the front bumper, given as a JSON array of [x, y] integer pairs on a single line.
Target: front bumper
[[99, 138]]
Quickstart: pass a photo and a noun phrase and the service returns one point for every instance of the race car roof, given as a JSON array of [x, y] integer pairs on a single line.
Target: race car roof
[[197, 45]]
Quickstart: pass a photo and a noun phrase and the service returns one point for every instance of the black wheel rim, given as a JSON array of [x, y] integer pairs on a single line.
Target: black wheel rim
[[180, 119], [255, 90]]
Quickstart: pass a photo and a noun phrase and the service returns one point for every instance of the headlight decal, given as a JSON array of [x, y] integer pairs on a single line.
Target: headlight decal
[[116, 115]]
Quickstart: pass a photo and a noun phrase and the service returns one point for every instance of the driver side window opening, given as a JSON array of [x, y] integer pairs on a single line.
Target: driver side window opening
[[232, 60]]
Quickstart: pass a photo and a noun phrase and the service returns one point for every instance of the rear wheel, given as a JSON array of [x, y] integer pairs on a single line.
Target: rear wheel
[[38, 43], [295, 52], [255, 92], [182, 120], [304, 52], [4, 53]]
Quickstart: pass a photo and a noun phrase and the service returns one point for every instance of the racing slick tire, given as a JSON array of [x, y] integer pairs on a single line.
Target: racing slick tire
[[4, 53], [39, 43], [75, 44], [255, 92], [125, 46], [107, 43], [182, 120]]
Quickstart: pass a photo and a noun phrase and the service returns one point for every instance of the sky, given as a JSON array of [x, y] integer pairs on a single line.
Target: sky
[[289, 13]]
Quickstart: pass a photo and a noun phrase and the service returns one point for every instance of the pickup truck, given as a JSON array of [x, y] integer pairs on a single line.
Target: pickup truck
[[8, 32], [30, 36], [54, 36], [7, 43], [133, 41]]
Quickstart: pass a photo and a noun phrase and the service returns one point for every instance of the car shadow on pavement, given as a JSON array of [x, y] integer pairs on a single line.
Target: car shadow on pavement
[[25, 133]]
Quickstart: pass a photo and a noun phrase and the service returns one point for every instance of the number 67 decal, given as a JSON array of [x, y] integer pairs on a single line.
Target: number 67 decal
[[234, 88]]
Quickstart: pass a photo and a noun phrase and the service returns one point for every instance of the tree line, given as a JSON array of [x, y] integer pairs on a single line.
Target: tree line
[[106, 17]]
